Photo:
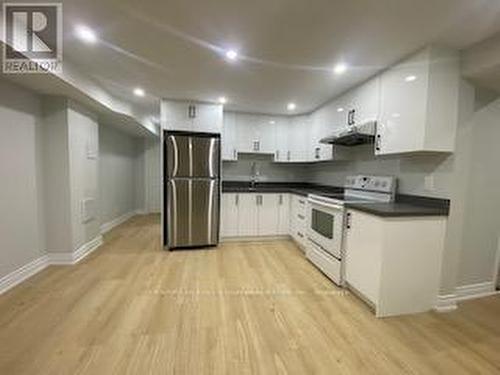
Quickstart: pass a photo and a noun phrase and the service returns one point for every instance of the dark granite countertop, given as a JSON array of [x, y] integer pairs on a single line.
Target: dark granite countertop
[[404, 206]]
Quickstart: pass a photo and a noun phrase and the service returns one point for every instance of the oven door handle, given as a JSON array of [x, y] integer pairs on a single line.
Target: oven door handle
[[327, 205]]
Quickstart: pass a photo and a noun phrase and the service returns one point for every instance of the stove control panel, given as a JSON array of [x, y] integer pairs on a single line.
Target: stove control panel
[[383, 184]]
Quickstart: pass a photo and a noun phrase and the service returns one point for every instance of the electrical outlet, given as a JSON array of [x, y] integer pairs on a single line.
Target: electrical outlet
[[429, 183]]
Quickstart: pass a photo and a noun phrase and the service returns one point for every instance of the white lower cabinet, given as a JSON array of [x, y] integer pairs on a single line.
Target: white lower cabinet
[[298, 220], [394, 263], [283, 214], [254, 215], [229, 215], [268, 214], [248, 218]]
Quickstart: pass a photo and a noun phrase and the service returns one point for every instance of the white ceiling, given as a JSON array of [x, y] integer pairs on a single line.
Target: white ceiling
[[172, 47]]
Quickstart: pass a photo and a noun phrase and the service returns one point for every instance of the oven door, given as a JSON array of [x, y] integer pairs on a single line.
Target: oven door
[[326, 222]]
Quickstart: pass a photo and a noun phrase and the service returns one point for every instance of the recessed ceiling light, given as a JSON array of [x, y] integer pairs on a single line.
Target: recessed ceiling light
[[139, 92], [222, 100], [410, 78], [232, 55], [291, 106], [340, 109], [272, 122], [85, 34], [340, 68]]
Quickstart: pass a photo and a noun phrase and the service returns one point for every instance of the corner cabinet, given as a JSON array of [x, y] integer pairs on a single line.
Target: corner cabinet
[[394, 264], [191, 116], [419, 104]]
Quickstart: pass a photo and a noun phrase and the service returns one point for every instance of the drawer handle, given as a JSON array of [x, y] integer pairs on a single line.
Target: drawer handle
[[302, 201], [300, 235], [301, 217]]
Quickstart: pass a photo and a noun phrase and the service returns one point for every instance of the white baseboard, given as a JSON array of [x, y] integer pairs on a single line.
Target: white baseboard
[[472, 291], [255, 239], [446, 303], [106, 227], [78, 255], [22, 273], [449, 302]]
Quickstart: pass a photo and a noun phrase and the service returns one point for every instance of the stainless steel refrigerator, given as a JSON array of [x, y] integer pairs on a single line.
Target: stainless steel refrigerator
[[191, 189]]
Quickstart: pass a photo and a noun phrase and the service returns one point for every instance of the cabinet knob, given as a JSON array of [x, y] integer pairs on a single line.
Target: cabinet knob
[[348, 220]]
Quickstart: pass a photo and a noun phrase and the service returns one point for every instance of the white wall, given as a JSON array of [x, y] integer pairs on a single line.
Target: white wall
[[83, 134], [21, 231], [240, 170], [117, 173], [152, 174]]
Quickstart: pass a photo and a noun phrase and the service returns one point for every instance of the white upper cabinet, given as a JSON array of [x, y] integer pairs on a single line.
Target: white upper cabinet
[[366, 101], [191, 116], [299, 139], [419, 104], [229, 150], [255, 134], [281, 135]]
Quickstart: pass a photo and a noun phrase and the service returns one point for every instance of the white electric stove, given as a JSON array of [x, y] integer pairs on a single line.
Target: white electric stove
[[327, 220]]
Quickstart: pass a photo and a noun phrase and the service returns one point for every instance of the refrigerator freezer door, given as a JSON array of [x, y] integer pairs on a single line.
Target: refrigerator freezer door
[[192, 213], [192, 156], [205, 156], [178, 156]]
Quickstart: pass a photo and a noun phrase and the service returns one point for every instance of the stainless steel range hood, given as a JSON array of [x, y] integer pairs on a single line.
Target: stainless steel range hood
[[353, 135]]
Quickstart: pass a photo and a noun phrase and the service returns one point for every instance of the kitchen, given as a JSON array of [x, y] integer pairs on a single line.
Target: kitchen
[[280, 202]]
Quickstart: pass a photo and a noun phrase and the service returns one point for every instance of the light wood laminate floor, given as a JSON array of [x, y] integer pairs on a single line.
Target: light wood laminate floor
[[243, 308]]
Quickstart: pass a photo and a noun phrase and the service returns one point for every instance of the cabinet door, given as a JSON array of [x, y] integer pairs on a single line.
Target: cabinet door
[[283, 214], [229, 150], [282, 130], [175, 115], [248, 218], [229, 215], [245, 132], [363, 254], [268, 209], [266, 134], [403, 103], [299, 139], [208, 118], [366, 101]]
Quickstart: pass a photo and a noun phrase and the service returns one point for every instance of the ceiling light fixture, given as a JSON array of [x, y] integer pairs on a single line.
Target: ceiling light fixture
[[222, 100], [410, 78], [232, 55], [340, 109], [291, 106], [139, 92], [272, 122], [85, 34], [340, 68]]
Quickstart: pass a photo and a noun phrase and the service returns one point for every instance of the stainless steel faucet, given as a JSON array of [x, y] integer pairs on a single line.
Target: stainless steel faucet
[[254, 175]]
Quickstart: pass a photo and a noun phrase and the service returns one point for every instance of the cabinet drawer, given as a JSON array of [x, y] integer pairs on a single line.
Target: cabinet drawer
[[299, 205]]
